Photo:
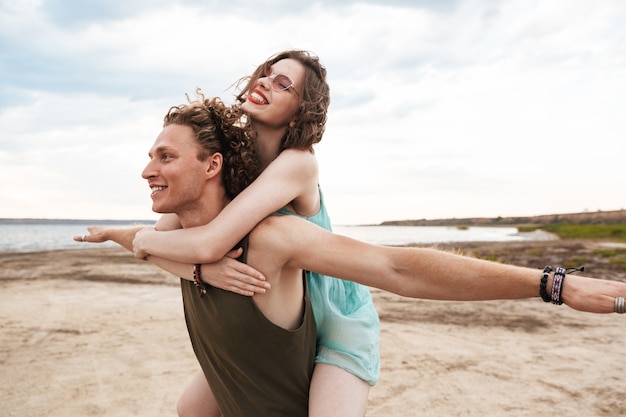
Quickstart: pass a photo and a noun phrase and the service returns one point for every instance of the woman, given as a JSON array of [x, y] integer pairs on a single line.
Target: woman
[[286, 101]]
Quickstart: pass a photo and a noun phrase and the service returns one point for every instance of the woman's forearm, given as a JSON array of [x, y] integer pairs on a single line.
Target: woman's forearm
[[191, 245], [178, 269], [292, 174]]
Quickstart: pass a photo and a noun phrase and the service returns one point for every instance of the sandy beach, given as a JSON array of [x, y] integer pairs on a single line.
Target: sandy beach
[[95, 332]]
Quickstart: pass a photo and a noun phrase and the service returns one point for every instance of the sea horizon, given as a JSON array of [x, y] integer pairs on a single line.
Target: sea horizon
[[605, 216], [31, 235]]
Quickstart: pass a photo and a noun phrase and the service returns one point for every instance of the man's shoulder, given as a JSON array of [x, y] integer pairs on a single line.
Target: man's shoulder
[[273, 238], [278, 227], [273, 223]]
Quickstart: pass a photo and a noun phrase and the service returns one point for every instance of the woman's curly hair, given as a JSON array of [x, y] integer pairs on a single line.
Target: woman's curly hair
[[310, 118], [217, 128]]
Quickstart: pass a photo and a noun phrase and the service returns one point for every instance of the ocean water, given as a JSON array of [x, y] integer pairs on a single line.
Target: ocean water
[[405, 235], [35, 236], [45, 235]]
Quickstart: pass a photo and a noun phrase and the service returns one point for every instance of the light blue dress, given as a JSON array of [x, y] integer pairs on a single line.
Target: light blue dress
[[348, 329]]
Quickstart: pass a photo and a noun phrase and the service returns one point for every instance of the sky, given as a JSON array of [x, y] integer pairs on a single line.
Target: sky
[[439, 108]]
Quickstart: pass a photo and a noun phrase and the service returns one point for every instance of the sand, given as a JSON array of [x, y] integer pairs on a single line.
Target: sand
[[94, 332]]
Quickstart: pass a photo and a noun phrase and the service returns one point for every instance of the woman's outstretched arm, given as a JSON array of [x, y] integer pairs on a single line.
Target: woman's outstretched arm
[[292, 174]]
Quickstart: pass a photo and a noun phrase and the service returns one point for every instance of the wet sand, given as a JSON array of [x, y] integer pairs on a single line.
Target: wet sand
[[95, 332]]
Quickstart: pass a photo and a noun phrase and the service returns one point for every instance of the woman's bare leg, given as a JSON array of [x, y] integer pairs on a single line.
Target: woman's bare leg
[[197, 400], [337, 393]]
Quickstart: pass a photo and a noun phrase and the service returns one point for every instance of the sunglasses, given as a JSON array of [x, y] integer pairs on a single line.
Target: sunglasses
[[281, 82]]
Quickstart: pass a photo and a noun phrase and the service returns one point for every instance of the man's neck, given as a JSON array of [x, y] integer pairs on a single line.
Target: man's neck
[[203, 213]]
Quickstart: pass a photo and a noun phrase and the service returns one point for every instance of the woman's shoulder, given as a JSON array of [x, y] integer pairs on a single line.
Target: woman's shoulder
[[301, 161], [297, 153]]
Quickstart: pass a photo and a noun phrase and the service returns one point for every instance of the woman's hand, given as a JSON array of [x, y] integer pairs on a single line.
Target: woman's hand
[[142, 237], [227, 273], [232, 275], [592, 295]]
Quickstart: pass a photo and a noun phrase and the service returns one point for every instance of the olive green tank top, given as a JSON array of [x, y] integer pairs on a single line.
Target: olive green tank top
[[254, 367]]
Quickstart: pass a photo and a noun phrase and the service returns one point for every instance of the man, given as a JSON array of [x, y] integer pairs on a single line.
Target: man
[[257, 352]]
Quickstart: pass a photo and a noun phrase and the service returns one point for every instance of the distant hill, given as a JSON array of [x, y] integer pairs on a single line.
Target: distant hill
[[597, 217]]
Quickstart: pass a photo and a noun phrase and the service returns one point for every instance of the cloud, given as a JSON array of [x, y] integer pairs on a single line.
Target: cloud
[[77, 13], [436, 106]]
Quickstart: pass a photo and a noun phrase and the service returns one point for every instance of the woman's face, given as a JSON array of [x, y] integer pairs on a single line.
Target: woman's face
[[269, 105]]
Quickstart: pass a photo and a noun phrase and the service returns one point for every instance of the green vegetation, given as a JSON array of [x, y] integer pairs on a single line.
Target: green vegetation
[[620, 262], [606, 254], [610, 252], [536, 252], [575, 261], [528, 229], [616, 232], [616, 256]]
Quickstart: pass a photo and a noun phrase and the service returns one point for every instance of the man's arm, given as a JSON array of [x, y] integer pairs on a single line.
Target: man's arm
[[422, 272], [227, 273], [123, 236]]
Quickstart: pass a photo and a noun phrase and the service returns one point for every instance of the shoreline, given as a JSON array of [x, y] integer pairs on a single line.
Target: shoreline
[[108, 263], [39, 238], [105, 333]]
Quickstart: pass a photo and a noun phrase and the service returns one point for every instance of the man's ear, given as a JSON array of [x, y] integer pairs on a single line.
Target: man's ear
[[214, 165]]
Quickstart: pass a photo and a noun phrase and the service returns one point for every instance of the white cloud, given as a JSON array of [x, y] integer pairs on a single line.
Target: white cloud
[[439, 109]]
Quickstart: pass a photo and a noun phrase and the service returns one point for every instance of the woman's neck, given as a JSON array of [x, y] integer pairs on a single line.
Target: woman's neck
[[268, 145]]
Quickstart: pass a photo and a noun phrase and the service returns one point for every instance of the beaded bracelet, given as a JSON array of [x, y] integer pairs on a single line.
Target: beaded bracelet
[[544, 282], [197, 279]]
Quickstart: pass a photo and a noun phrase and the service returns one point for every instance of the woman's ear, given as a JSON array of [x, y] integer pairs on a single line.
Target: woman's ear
[[292, 124]]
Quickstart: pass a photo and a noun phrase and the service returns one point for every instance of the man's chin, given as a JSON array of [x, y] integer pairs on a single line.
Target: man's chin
[[160, 210]]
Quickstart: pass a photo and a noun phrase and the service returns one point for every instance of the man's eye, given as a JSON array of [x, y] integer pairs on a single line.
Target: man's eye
[[166, 156]]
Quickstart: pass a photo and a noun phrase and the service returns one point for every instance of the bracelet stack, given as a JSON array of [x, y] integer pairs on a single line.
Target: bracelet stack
[[197, 279], [557, 283]]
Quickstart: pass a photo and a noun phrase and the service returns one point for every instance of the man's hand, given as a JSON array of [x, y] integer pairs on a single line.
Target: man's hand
[[97, 234]]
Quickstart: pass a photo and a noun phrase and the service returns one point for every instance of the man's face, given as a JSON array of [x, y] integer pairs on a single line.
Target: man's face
[[174, 173]]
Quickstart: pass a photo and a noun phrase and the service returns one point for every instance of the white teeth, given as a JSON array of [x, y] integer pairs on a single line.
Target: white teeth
[[258, 97], [155, 189]]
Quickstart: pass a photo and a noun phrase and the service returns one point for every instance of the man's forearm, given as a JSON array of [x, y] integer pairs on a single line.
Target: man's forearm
[[123, 236]]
